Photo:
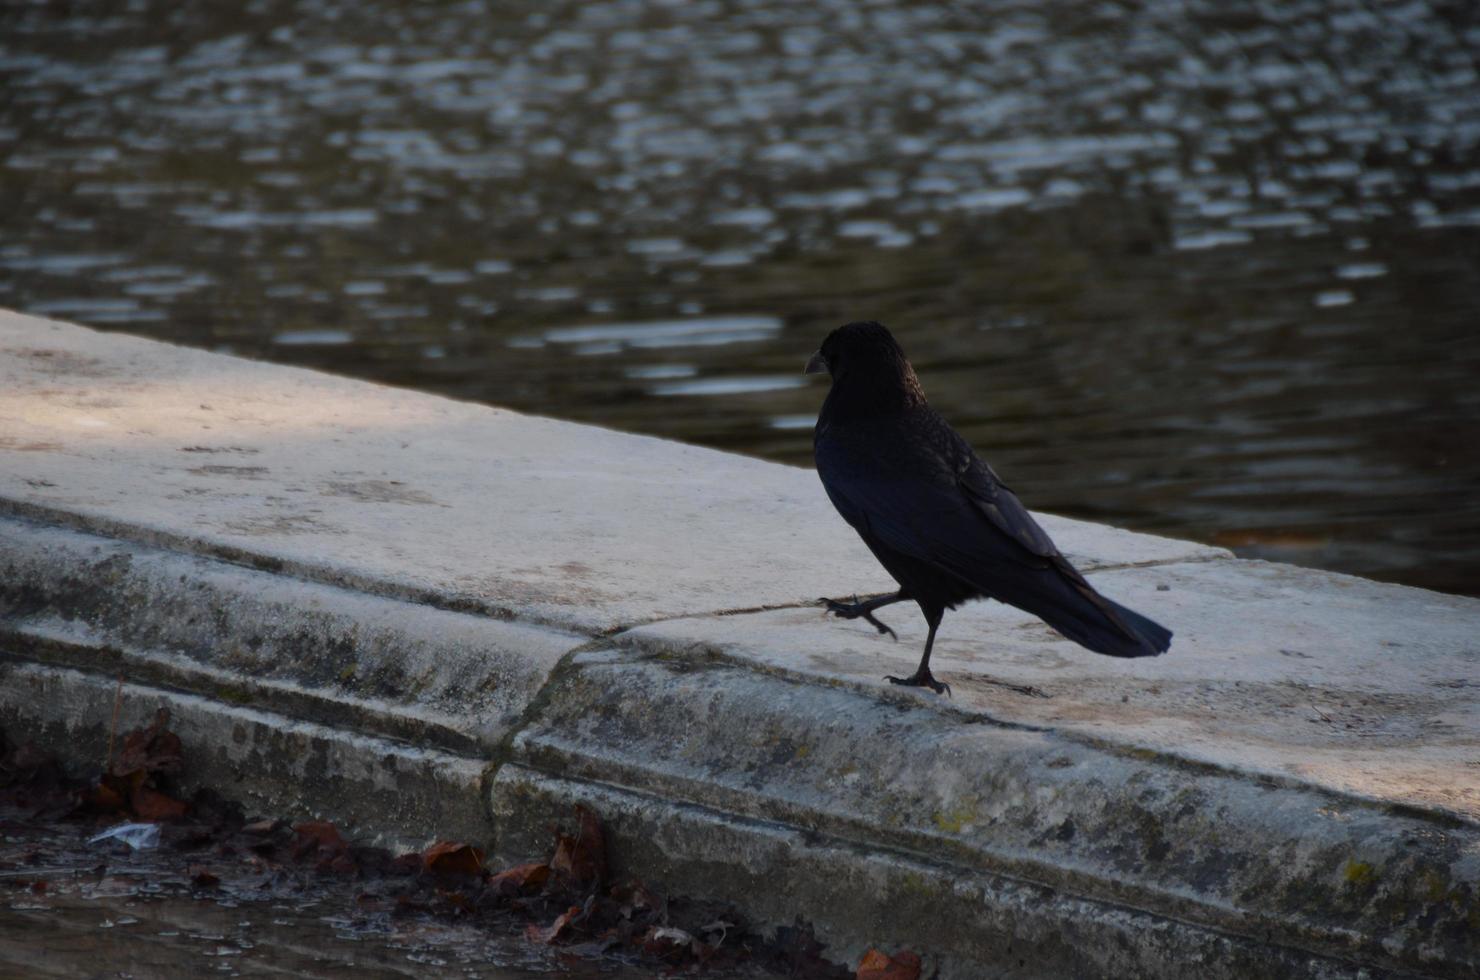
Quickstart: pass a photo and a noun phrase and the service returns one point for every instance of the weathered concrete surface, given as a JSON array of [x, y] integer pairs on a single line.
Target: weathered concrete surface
[[248, 637], [1352, 685], [426, 618], [950, 815], [403, 494], [376, 789]]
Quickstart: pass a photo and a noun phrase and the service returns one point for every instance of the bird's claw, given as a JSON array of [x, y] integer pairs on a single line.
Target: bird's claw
[[846, 610], [883, 629], [921, 679]]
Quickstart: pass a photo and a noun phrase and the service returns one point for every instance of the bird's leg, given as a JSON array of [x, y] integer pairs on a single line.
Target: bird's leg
[[864, 610], [922, 676]]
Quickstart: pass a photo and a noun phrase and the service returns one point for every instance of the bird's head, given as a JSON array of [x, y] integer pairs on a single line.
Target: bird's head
[[866, 354]]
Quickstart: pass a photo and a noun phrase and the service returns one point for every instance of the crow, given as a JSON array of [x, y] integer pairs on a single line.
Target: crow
[[936, 516]]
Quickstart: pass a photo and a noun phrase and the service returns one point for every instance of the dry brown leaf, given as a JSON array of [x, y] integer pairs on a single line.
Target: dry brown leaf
[[151, 804], [554, 930], [321, 832], [449, 857], [154, 749], [340, 864], [582, 858], [877, 965], [318, 839], [521, 878]]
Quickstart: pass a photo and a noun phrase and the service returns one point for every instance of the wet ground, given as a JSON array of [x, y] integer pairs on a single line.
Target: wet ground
[[70, 909], [121, 874], [1180, 266]]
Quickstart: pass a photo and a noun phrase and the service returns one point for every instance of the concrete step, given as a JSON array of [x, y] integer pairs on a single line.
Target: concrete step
[[424, 618]]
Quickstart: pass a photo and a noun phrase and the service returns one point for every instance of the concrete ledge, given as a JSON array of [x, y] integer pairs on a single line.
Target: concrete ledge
[[409, 496], [378, 790], [975, 922], [1311, 873], [1368, 689], [424, 618], [360, 662]]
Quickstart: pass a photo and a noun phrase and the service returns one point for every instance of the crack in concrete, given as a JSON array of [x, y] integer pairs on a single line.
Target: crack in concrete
[[45, 516], [620, 628]]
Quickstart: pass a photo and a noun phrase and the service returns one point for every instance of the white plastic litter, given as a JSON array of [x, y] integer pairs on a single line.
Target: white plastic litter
[[139, 836]]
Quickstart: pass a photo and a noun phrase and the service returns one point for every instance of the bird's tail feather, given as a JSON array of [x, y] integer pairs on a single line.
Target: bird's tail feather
[[1075, 609], [1157, 638]]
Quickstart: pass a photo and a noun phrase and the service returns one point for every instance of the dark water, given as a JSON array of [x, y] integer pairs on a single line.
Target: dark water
[[1201, 268]]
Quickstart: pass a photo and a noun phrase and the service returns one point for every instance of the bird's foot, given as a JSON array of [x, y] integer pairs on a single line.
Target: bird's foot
[[921, 678], [856, 610]]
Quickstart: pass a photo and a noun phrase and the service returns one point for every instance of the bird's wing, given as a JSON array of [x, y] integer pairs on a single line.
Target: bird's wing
[[981, 488], [924, 491], [966, 525]]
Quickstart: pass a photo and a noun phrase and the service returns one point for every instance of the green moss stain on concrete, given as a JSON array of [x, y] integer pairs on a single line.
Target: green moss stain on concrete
[[1433, 886], [234, 694], [1360, 874], [964, 816]]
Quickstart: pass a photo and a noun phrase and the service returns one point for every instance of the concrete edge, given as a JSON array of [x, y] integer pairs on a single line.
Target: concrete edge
[[971, 923], [378, 790], [346, 579], [241, 636], [1302, 871], [645, 647], [166, 540]]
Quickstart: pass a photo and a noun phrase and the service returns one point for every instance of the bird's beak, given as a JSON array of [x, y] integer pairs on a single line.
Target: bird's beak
[[816, 364]]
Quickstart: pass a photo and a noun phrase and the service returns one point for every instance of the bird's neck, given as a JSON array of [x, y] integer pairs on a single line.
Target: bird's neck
[[882, 392]]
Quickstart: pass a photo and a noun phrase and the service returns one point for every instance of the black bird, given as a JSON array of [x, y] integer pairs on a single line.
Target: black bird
[[936, 516]]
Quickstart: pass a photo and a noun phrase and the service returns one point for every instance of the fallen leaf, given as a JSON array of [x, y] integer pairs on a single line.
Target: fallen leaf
[[581, 858], [553, 931], [154, 749], [321, 832], [318, 839], [340, 864], [521, 878], [878, 965], [150, 804], [448, 857], [202, 877]]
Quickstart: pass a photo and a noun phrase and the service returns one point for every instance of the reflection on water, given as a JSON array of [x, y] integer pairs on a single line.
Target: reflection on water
[[614, 338], [1190, 267]]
